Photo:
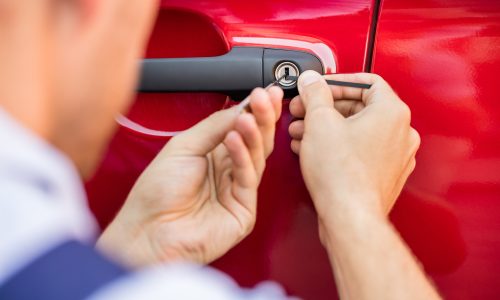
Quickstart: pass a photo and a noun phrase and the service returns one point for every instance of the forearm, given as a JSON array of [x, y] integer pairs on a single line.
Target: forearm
[[370, 260]]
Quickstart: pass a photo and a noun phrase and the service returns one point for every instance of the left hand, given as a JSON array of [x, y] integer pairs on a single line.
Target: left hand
[[198, 197]]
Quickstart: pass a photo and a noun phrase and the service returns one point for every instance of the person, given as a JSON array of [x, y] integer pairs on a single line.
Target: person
[[69, 67]]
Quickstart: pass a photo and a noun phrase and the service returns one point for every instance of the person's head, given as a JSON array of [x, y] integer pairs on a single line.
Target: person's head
[[68, 67]]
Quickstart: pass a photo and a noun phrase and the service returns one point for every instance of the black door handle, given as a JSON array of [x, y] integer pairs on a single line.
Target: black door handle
[[235, 73]]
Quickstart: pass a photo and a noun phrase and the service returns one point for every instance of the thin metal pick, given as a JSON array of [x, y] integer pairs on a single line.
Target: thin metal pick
[[244, 106]]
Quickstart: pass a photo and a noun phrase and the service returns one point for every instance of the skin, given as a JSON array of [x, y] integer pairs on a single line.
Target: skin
[[69, 67], [357, 148], [198, 198]]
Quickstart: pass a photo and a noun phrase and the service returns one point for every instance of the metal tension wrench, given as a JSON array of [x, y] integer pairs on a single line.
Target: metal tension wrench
[[340, 83], [245, 104]]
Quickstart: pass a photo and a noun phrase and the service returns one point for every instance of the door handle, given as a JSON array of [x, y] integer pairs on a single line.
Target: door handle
[[235, 73]]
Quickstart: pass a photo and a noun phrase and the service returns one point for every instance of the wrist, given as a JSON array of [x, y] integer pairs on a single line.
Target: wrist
[[348, 205], [353, 232], [123, 243], [343, 215]]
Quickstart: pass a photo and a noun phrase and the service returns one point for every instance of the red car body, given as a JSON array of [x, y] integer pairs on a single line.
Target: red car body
[[441, 57]]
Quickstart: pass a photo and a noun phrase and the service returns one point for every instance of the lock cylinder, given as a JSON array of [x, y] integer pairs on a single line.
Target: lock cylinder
[[288, 70]]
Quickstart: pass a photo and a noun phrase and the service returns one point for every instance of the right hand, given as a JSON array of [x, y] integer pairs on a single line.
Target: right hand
[[356, 146]]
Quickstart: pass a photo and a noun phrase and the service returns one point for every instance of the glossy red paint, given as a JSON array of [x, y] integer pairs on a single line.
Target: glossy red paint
[[316, 47], [341, 25], [284, 245], [442, 57], [130, 151]]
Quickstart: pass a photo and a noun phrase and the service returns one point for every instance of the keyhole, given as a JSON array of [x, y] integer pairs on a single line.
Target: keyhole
[[286, 70]]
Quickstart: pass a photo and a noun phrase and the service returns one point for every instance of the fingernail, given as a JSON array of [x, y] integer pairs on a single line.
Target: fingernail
[[309, 77]]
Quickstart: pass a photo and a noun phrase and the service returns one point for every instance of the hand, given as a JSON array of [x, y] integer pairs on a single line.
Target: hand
[[198, 198], [356, 146]]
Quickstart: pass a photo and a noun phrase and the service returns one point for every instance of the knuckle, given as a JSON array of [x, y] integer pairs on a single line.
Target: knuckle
[[247, 224], [405, 111], [175, 141], [250, 226], [402, 113], [413, 165], [269, 150], [415, 139], [180, 144], [376, 77], [371, 78]]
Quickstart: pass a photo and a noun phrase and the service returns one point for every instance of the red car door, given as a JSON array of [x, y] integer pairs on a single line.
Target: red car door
[[443, 58], [438, 55]]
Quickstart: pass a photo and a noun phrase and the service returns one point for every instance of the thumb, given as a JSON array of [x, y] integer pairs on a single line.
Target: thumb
[[205, 136], [315, 93]]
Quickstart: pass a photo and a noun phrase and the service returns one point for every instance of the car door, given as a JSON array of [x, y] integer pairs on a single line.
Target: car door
[[448, 211], [443, 57]]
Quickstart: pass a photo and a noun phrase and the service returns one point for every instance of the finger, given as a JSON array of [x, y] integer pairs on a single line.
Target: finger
[[348, 107], [415, 139], [202, 138], [410, 167], [276, 94], [365, 95], [297, 108], [348, 100], [263, 110], [221, 162], [246, 126], [296, 130], [243, 172], [295, 146], [314, 92], [318, 102]]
